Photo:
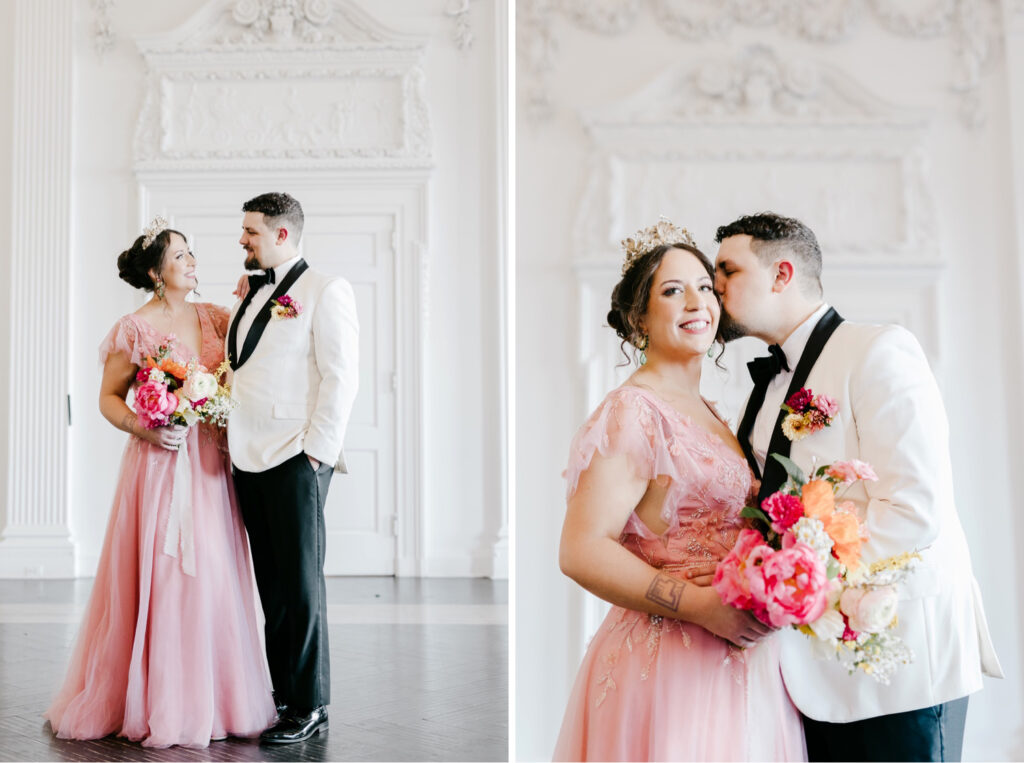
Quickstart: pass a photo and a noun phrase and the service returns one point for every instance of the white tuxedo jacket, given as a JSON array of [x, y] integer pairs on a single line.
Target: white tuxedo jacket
[[891, 415], [295, 391]]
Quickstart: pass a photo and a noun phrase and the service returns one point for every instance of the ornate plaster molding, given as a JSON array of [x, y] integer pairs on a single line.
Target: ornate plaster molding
[[460, 13], [267, 83], [787, 124], [284, 24], [103, 31], [972, 27]]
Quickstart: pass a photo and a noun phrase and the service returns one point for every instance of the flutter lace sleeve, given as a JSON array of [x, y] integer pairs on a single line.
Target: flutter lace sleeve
[[124, 338], [627, 423]]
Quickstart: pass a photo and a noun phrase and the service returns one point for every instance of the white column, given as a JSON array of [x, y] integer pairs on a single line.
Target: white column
[[506, 277], [36, 540]]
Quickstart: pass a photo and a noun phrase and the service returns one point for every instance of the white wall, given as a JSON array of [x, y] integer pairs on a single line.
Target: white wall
[[576, 61], [462, 510]]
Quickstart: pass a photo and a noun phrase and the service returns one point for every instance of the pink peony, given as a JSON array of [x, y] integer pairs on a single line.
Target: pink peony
[[739, 568], [796, 586], [784, 510], [827, 405], [850, 471], [800, 399], [154, 403]]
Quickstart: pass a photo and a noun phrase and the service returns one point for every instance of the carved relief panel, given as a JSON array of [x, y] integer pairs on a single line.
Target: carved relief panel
[[277, 81]]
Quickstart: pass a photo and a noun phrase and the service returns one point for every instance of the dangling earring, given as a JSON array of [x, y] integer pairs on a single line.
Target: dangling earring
[[642, 346], [160, 290]]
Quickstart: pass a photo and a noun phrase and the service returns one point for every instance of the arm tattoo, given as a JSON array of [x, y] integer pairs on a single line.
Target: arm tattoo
[[127, 422], [666, 591]]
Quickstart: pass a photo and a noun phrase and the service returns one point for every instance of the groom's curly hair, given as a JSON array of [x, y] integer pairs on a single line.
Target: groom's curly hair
[[773, 234], [277, 208]]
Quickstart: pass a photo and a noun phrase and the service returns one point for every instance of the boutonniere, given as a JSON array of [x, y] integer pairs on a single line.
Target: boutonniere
[[808, 413], [285, 307]]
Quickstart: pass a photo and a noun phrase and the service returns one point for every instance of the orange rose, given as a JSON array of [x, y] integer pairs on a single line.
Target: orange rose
[[818, 498], [844, 530]]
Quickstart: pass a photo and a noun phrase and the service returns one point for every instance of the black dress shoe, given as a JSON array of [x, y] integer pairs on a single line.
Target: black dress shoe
[[296, 728], [282, 711]]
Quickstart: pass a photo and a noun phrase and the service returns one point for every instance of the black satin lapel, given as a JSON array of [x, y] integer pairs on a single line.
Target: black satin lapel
[[259, 324], [233, 331], [774, 473], [747, 425]]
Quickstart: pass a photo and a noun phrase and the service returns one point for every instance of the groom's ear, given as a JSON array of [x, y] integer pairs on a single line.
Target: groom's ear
[[784, 273], [282, 235]]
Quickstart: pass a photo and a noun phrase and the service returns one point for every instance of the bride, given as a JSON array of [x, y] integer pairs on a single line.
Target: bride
[[656, 483], [169, 648]]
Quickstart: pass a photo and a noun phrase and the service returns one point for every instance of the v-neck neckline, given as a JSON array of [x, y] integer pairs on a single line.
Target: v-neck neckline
[[688, 420], [199, 315]]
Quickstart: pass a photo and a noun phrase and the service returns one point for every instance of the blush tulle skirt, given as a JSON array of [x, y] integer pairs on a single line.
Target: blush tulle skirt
[[658, 689], [164, 657]]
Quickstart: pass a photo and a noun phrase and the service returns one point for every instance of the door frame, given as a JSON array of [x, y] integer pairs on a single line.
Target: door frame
[[408, 193]]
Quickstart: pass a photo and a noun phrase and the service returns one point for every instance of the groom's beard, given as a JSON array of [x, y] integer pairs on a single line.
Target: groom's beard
[[731, 329], [251, 263]]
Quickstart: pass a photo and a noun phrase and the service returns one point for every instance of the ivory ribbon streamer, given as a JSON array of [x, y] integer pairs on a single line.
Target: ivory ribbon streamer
[[179, 522]]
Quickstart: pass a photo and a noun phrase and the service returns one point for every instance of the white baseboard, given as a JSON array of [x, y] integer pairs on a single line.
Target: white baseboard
[[22, 557], [86, 564], [461, 566]]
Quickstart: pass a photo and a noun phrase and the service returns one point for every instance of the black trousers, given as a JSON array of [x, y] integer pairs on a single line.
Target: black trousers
[[283, 511], [931, 733]]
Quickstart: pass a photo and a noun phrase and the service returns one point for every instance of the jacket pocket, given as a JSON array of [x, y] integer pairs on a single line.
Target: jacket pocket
[[293, 411]]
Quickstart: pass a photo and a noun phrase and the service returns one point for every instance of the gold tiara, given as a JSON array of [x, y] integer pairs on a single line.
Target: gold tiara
[[154, 229], [662, 233]]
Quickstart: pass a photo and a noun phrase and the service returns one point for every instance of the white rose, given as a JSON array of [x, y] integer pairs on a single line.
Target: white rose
[[200, 385], [829, 626], [869, 610]]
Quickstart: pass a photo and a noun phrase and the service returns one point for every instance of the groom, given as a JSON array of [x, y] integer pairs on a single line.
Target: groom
[[768, 274], [293, 345]]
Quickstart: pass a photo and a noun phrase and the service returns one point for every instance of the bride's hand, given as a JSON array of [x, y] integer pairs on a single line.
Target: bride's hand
[[169, 437], [736, 626], [242, 288]]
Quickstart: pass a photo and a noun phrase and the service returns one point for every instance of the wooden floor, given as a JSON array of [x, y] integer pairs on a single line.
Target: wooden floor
[[419, 671]]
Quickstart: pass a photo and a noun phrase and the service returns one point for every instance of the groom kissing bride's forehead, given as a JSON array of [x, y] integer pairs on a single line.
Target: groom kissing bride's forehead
[[891, 415]]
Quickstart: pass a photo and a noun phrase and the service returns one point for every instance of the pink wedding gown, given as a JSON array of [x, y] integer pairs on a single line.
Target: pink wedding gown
[[651, 688], [164, 657]]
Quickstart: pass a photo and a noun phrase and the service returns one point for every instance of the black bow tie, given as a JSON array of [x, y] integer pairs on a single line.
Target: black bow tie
[[256, 280], [762, 370]]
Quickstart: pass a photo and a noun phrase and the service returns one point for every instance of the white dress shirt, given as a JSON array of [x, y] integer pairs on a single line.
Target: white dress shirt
[[775, 395], [259, 299]]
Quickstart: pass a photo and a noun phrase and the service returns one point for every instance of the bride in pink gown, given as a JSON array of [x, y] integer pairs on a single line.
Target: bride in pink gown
[[656, 482], [167, 656]]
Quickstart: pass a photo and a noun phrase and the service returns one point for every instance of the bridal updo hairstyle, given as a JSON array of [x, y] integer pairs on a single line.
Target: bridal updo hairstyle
[[632, 293], [134, 264]]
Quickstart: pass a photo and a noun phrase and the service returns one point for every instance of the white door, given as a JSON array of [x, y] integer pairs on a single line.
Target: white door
[[342, 238]]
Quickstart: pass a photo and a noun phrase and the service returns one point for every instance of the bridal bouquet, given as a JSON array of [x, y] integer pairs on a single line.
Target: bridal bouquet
[[802, 568], [166, 392]]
